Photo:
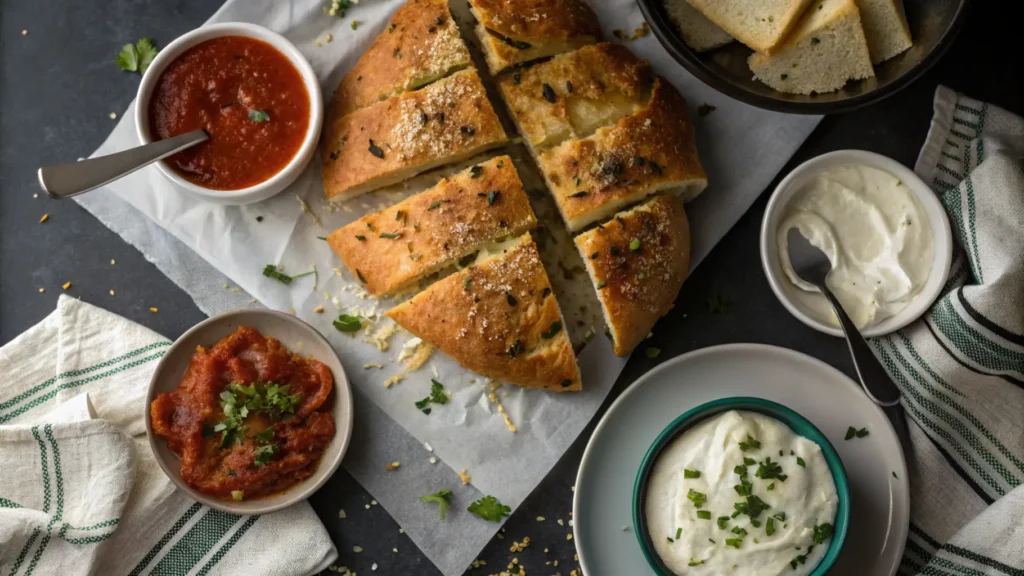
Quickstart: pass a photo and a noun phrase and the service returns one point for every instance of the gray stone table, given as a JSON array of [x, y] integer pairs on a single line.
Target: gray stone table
[[58, 86]]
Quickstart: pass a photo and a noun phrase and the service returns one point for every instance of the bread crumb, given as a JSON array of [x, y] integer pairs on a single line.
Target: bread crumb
[[357, 549], [372, 365], [113, 115], [319, 309], [66, 285], [341, 513], [153, 309], [44, 218], [111, 292], [112, 261], [464, 475], [392, 466], [24, 32]]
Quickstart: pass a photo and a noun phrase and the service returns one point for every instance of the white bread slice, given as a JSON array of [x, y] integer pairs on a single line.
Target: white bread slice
[[825, 50], [760, 24], [698, 32], [885, 27]]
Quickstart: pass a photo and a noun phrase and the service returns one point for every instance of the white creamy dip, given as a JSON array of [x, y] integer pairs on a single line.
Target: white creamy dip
[[875, 233], [679, 500]]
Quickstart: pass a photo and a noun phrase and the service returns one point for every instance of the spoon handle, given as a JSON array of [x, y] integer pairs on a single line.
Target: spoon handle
[[873, 377], [68, 180]]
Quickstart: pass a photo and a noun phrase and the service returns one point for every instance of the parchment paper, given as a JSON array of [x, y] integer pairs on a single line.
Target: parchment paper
[[742, 149]]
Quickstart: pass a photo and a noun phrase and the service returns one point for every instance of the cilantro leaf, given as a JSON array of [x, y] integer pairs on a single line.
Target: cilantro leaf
[[437, 396], [822, 532], [136, 57], [263, 454], [488, 508], [442, 497], [258, 116], [346, 323]]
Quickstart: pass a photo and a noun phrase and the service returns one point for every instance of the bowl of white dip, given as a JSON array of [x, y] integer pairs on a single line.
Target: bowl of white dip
[[741, 486], [884, 230]]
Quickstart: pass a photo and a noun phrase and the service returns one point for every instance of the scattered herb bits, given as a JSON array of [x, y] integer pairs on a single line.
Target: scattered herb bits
[[376, 150], [549, 93], [347, 323], [136, 57], [258, 116], [489, 508], [442, 498], [437, 396]]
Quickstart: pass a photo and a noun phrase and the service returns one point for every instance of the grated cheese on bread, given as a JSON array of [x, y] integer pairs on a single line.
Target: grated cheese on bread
[[518, 31], [498, 318], [637, 261], [391, 250], [760, 24], [395, 139], [825, 50], [641, 154]]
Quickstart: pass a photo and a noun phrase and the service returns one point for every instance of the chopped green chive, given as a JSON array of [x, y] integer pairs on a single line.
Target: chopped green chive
[[679, 533], [698, 498], [691, 473], [723, 522], [704, 514], [769, 526], [652, 353]]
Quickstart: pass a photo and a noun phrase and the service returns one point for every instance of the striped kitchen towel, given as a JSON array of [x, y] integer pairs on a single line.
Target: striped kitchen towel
[[961, 367], [80, 492]]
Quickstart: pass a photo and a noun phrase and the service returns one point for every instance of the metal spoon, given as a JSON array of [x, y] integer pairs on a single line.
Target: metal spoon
[[812, 265], [68, 180]]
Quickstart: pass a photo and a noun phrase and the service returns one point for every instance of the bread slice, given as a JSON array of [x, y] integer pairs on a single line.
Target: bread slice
[[885, 27], [574, 94], [638, 262], [697, 31], [498, 318], [421, 44], [435, 228], [825, 50], [641, 154], [761, 24], [517, 31], [390, 141]]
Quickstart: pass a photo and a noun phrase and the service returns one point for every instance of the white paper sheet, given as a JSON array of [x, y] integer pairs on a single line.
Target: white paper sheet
[[742, 149]]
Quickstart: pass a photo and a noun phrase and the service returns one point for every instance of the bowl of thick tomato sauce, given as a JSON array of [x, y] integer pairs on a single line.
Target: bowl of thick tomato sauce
[[249, 411], [255, 95]]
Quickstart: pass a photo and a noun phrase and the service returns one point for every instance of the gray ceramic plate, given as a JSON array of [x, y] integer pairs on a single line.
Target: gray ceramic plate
[[933, 26], [296, 336], [875, 468]]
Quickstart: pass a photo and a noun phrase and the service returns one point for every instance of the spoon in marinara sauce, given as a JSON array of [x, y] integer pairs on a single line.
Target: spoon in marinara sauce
[[66, 180]]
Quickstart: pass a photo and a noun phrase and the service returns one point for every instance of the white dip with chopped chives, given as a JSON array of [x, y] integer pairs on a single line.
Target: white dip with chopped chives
[[741, 494]]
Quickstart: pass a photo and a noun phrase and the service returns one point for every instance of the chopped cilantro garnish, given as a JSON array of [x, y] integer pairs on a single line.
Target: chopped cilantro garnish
[[850, 433], [442, 497], [258, 116], [800, 462], [263, 454], [822, 532], [750, 444], [768, 470], [862, 432], [347, 323], [437, 396], [264, 437], [136, 57], [734, 542], [489, 508]]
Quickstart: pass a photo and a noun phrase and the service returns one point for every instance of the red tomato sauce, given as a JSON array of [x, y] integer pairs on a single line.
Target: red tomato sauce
[[247, 96], [235, 453]]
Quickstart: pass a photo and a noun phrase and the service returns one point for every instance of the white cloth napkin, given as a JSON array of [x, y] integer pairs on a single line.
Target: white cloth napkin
[[80, 491], [961, 367]]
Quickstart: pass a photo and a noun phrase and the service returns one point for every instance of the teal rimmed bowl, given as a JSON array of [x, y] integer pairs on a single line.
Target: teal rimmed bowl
[[691, 418]]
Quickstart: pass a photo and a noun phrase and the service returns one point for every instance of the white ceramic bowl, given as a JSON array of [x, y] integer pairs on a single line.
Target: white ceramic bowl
[[296, 336], [785, 290], [298, 163]]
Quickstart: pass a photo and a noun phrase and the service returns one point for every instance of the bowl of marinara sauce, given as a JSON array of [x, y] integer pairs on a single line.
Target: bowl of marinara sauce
[[256, 96]]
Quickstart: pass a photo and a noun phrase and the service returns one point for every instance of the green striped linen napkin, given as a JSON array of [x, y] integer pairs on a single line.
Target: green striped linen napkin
[[961, 367], [80, 492]]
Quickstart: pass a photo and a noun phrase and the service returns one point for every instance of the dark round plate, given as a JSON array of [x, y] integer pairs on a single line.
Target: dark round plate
[[933, 26]]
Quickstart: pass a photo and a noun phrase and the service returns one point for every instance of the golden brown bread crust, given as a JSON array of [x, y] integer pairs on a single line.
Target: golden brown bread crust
[[652, 150], [638, 283], [498, 318], [420, 44], [586, 88], [517, 31], [407, 134], [435, 227]]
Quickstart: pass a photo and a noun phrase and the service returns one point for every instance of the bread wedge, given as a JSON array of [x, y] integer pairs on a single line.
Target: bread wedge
[[653, 150], [420, 44], [761, 24], [518, 31], [395, 139], [825, 50], [697, 31], [499, 319], [885, 28], [391, 250], [638, 262], [574, 94]]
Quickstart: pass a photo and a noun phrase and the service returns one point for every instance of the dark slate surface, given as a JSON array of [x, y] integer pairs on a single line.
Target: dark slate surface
[[59, 85]]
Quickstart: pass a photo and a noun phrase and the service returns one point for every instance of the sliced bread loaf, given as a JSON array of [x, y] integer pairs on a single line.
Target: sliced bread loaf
[[825, 50], [698, 32], [885, 27], [760, 24]]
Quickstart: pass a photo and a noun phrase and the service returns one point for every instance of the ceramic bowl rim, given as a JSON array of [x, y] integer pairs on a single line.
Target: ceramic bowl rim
[[291, 171], [938, 219], [768, 408]]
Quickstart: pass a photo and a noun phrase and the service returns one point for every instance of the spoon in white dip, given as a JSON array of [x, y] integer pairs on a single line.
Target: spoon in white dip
[[812, 265]]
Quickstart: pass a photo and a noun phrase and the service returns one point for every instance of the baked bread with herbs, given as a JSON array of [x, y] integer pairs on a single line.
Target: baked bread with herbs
[[637, 262], [498, 318], [395, 139], [391, 250]]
